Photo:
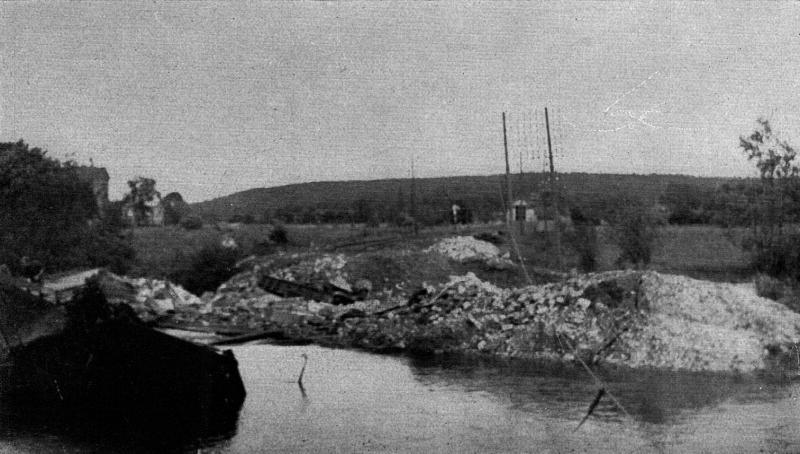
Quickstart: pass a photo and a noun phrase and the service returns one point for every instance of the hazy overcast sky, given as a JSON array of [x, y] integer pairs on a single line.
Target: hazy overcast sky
[[211, 98]]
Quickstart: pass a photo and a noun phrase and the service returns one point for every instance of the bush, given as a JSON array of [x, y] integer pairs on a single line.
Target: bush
[[583, 241], [784, 292], [769, 287], [109, 250], [279, 235], [192, 223], [208, 268], [635, 232], [778, 257], [175, 208]]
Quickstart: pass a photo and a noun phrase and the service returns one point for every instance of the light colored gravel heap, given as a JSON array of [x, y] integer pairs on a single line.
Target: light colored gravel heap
[[326, 268], [467, 248], [700, 325]]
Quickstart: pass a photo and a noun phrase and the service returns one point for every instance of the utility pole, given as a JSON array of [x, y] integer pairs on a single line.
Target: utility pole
[[508, 168], [521, 178], [553, 193], [510, 212], [414, 197]]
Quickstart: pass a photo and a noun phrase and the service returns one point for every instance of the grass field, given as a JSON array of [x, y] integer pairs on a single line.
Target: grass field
[[698, 251]]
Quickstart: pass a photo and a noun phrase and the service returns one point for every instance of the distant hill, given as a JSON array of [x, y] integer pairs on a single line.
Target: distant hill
[[483, 195]]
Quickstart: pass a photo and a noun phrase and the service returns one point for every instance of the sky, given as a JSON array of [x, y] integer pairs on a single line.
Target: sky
[[211, 98]]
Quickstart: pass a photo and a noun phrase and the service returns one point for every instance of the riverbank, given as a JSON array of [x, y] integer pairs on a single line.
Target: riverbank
[[624, 318]]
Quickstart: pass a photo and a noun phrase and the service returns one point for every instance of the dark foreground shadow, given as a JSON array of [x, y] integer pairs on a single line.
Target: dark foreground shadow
[[74, 428], [101, 374]]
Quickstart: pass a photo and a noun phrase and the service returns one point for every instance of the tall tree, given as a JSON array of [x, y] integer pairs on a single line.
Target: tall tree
[[774, 252], [775, 160]]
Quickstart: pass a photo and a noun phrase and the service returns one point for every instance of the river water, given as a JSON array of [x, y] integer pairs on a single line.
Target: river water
[[359, 402]]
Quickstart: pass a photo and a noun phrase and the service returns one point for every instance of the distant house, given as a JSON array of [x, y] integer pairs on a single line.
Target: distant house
[[97, 178], [533, 211], [521, 211]]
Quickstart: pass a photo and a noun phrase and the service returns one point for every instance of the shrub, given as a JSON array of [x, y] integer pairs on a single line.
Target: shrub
[[208, 268], [192, 223], [635, 232], [784, 292], [109, 250], [583, 241], [777, 257], [279, 235], [769, 287], [175, 208]]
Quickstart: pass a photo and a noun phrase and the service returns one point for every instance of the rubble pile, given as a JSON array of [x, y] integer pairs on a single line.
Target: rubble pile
[[552, 321], [699, 325], [150, 299], [628, 318], [241, 303], [468, 248]]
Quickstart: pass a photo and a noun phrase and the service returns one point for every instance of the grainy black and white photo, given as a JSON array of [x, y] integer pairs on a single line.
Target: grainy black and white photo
[[399, 227]]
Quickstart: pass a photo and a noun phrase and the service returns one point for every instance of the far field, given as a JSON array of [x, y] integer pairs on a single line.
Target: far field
[[705, 252]]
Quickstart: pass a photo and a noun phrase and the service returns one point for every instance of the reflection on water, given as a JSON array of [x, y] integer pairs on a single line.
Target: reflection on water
[[357, 402], [656, 397]]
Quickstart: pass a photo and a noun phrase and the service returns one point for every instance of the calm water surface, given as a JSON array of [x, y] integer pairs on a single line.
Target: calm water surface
[[358, 402]]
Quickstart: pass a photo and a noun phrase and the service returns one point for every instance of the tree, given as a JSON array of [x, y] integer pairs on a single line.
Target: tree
[[175, 209], [773, 252], [143, 193], [50, 215]]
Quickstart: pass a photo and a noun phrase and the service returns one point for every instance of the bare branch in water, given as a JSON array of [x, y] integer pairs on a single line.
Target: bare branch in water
[[300, 378]]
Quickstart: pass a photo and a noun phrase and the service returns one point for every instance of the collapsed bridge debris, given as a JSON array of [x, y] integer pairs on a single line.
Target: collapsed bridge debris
[[325, 293]]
